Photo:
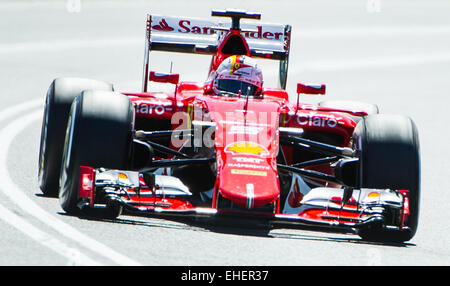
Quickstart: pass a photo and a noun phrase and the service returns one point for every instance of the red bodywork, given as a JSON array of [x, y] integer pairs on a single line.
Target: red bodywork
[[264, 114], [246, 162]]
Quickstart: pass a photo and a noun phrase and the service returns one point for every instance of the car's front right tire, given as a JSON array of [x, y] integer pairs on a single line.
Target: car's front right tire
[[389, 158]]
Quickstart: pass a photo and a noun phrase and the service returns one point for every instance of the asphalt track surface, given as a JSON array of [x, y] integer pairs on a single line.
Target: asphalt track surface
[[393, 53]]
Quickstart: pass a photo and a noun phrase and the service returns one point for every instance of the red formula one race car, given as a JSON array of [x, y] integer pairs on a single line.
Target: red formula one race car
[[230, 147]]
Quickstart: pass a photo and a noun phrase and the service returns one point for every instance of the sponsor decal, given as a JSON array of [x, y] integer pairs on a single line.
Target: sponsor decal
[[246, 148], [123, 176], [250, 166], [143, 108], [237, 64], [248, 172], [162, 26], [201, 27], [184, 26], [244, 129], [248, 160], [267, 35], [311, 119], [373, 195]]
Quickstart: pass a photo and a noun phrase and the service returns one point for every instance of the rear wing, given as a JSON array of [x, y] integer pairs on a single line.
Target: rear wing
[[203, 36]]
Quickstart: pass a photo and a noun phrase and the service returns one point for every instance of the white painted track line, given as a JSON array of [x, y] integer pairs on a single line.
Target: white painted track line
[[20, 108], [17, 196], [73, 255]]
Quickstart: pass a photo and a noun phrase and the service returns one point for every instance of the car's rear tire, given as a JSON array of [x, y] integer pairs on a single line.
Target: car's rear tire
[[369, 108], [99, 134], [390, 158], [60, 95]]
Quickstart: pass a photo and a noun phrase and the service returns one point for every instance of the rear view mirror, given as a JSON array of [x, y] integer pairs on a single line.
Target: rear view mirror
[[310, 89], [164, 78]]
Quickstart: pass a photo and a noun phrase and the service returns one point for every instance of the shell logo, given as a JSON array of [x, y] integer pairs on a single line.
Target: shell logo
[[123, 176], [246, 148]]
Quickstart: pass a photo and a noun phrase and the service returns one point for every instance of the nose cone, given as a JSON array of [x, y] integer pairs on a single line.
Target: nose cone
[[246, 142], [249, 185], [248, 192]]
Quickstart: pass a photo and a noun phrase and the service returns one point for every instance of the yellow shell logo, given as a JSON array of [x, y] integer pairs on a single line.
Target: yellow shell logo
[[246, 148]]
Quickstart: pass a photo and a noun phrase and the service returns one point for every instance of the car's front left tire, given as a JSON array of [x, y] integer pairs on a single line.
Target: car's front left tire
[[99, 134]]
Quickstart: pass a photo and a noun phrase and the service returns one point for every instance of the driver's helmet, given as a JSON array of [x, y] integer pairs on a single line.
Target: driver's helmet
[[238, 73]]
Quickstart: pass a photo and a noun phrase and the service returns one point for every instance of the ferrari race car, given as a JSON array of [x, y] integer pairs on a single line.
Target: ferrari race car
[[227, 147]]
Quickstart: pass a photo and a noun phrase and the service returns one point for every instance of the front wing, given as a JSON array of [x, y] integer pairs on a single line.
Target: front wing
[[333, 208]]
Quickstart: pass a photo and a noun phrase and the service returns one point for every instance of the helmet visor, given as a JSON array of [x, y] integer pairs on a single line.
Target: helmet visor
[[234, 86]]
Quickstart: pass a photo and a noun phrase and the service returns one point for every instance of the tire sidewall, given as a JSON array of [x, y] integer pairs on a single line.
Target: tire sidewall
[[399, 166], [58, 101], [68, 199], [88, 145]]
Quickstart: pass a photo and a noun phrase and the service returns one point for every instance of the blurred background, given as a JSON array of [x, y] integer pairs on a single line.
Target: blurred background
[[359, 48]]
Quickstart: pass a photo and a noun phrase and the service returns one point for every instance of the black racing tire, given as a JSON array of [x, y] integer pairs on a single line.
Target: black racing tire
[[370, 108], [389, 154], [60, 95], [99, 134]]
